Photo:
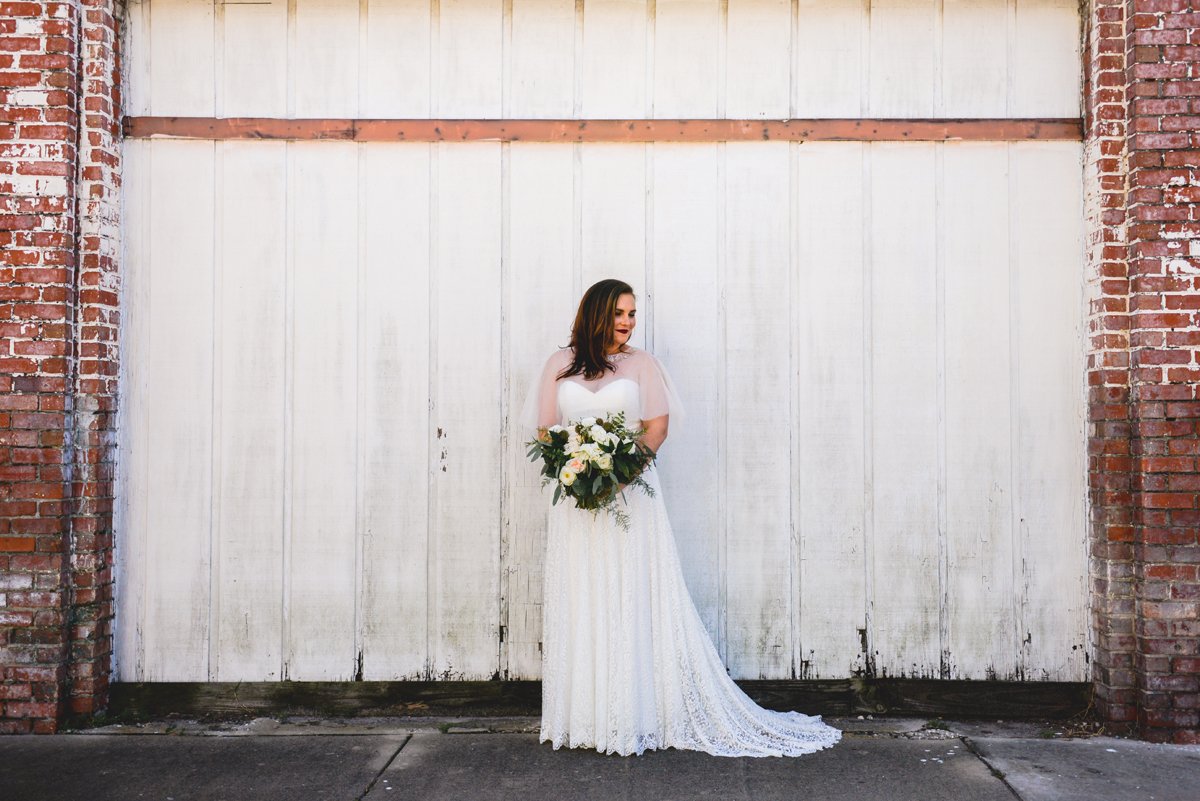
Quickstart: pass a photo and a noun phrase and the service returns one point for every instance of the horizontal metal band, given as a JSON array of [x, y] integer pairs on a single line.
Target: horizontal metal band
[[853, 130]]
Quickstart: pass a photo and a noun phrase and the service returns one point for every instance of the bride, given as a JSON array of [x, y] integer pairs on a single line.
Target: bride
[[627, 664]]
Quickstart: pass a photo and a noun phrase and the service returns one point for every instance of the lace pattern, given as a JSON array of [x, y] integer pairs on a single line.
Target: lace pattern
[[627, 664]]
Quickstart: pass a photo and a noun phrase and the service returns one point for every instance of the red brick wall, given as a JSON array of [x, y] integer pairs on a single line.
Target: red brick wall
[[1142, 183], [59, 233]]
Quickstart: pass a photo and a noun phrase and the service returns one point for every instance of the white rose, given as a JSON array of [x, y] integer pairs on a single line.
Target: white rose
[[592, 451], [604, 462], [566, 477], [588, 422], [598, 434], [556, 429]]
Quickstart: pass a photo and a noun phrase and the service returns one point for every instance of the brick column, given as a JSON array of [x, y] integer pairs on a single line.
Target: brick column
[[1142, 181], [1111, 527], [1163, 240], [59, 194]]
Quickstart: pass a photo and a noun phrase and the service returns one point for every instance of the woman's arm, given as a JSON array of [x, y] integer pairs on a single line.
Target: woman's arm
[[653, 438], [656, 432]]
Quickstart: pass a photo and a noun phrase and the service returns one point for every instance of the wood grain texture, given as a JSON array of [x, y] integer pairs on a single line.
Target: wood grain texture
[[1049, 363], [539, 284], [254, 41], [324, 69], [606, 59], [319, 640], [904, 409], [181, 80], [464, 552], [874, 323], [686, 332], [179, 416], [598, 130], [393, 404], [129, 514], [250, 396], [831, 364], [977, 518], [758, 412]]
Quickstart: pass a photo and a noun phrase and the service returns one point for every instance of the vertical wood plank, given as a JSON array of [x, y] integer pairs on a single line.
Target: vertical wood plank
[[255, 39], [904, 410], [543, 59], [250, 483], [688, 339], [320, 643], [1050, 391], [902, 58], [540, 288], [614, 59], [758, 411], [831, 368], [181, 55], [829, 58], [132, 467], [326, 66], [974, 68], [136, 59], [981, 632], [179, 412], [614, 221], [394, 384], [467, 465], [758, 65], [686, 34], [397, 66], [1047, 75], [471, 59]]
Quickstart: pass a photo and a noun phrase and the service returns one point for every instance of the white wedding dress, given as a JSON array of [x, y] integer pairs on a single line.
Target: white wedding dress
[[627, 664]]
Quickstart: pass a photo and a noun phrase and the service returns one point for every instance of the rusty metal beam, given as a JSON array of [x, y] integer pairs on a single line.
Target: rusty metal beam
[[604, 130]]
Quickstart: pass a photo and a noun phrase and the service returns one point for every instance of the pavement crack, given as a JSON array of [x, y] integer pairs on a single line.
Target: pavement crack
[[383, 770], [999, 774]]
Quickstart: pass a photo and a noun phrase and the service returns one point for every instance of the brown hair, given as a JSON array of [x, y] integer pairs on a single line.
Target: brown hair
[[593, 331]]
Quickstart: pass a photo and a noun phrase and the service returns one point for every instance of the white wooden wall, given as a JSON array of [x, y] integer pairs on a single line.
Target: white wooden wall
[[879, 344]]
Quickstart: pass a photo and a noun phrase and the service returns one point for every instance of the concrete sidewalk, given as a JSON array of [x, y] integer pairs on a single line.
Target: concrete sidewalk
[[433, 759]]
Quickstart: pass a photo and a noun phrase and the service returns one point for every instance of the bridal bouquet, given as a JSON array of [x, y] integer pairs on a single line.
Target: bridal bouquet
[[588, 460]]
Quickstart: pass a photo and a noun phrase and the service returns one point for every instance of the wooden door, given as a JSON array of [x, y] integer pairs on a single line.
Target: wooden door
[[879, 344]]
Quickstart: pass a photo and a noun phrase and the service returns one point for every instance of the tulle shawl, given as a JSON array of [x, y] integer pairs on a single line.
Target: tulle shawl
[[657, 394]]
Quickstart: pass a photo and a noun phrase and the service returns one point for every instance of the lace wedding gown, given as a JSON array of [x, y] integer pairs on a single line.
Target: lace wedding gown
[[627, 664]]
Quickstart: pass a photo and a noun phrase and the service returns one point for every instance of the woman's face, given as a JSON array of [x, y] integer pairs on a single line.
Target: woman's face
[[626, 319]]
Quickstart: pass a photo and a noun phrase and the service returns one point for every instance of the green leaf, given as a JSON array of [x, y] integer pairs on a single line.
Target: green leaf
[[557, 493]]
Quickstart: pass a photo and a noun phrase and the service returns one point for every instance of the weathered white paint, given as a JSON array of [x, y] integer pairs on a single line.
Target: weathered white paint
[[607, 58], [251, 346], [325, 343], [830, 422]]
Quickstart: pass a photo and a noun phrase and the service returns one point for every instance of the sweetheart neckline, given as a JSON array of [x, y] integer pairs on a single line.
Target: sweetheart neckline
[[601, 389]]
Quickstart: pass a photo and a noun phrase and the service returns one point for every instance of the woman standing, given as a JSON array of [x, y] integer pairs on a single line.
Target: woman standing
[[627, 664]]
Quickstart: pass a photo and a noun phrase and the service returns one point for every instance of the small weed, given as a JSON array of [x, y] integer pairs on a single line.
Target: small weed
[[937, 723], [1046, 734], [445, 727]]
